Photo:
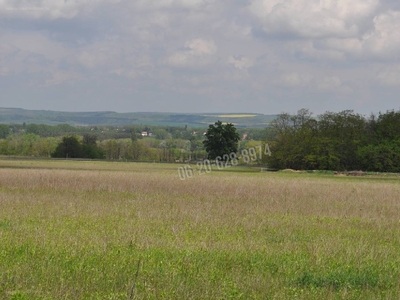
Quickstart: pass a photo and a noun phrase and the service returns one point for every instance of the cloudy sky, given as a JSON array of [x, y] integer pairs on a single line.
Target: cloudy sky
[[264, 56]]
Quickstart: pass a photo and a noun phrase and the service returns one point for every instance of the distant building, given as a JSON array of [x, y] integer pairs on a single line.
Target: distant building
[[145, 133], [244, 136]]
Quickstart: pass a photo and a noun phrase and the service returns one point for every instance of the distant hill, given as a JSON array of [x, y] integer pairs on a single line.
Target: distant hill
[[110, 118]]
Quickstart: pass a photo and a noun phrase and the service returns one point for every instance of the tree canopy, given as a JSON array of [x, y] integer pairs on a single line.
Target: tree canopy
[[336, 141], [221, 139], [70, 147], [4, 131]]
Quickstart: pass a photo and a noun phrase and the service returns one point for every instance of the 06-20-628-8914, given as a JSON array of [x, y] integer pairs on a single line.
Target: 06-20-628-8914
[[225, 161]]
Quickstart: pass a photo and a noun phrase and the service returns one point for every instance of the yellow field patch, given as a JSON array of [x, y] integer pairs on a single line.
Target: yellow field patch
[[237, 116]]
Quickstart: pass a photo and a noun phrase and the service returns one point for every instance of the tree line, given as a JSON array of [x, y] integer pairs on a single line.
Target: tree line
[[331, 141], [166, 143], [335, 141], [89, 146]]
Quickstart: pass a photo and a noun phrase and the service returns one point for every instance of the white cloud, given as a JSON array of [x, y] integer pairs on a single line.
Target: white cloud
[[353, 46], [295, 79], [59, 77], [328, 83], [89, 60], [101, 54], [29, 52], [384, 41], [390, 76], [263, 53], [200, 47], [316, 50], [160, 4], [314, 18], [311, 82], [196, 52], [51, 9], [241, 62]]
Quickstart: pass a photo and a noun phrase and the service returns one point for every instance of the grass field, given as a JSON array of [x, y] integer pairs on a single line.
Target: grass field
[[102, 230]]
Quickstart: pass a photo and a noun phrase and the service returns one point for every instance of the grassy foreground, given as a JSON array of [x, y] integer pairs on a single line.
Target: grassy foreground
[[79, 230]]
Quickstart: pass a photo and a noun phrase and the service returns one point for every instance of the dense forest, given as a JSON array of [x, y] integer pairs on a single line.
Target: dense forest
[[330, 141], [336, 141]]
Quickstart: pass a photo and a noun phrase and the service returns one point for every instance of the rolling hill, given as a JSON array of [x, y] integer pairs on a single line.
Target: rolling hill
[[110, 118]]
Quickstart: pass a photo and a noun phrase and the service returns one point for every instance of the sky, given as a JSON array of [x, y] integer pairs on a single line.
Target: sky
[[195, 56]]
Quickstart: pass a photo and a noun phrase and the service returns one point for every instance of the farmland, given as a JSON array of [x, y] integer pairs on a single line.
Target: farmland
[[103, 230]]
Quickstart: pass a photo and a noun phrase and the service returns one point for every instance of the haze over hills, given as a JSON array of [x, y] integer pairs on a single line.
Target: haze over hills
[[110, 118]]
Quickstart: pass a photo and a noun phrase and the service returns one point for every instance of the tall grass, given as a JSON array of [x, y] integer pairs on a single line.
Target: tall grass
[[71, 230]]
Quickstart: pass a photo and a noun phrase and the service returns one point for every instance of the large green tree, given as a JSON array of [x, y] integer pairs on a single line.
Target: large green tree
[[4, 131], [221, 139], [90, 148], [69, 147]]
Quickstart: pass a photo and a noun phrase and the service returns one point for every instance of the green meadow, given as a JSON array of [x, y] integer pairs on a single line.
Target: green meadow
[[108, 230]]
